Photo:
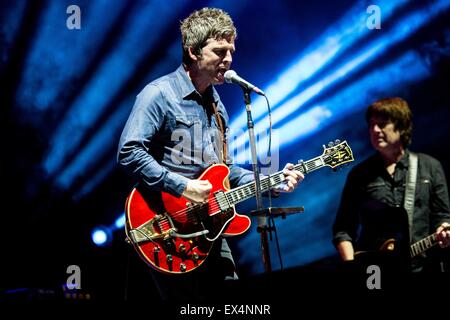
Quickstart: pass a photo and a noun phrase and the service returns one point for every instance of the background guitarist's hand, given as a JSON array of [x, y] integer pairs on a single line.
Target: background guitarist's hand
[[443, 236], [346, 250], [197, 191]]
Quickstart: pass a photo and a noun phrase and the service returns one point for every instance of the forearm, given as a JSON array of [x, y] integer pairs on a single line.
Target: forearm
[[239, 176], [145, 169]]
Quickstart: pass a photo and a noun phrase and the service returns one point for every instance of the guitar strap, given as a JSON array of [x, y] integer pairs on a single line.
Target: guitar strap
[[222, 159], [410, 189]]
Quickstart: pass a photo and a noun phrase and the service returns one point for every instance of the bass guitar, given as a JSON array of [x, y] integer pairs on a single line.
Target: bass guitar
[[175, 236]]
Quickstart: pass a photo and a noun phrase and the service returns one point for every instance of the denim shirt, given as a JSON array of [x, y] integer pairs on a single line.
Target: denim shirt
[[171, 135]]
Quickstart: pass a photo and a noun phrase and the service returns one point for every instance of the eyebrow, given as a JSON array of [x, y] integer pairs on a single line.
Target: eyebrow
[[221, 47]]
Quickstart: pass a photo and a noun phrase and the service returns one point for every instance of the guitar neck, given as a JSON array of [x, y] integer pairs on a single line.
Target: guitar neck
[[423, 245], [248, 190]]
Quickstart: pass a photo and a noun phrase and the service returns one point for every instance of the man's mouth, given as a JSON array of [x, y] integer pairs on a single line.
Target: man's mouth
[[221, 74]]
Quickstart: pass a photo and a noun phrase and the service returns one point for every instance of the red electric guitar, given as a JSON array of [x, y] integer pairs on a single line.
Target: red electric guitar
[[175, 236]]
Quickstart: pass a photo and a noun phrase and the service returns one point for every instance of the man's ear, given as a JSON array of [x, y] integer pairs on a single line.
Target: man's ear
[[192, 55]]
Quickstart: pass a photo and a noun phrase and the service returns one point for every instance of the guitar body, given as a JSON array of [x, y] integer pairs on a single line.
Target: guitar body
[[174, 236]]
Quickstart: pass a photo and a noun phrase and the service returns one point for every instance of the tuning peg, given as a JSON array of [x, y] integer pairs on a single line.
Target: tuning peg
[[330, 144], [337, 141]]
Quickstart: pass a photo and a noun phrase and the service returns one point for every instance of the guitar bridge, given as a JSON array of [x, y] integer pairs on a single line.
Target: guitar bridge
[[161, 226]]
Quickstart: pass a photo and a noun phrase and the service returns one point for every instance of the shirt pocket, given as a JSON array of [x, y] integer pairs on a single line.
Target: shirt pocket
[[186, 121], [423, 190], [376, 190], [375, 185], [187, 130]]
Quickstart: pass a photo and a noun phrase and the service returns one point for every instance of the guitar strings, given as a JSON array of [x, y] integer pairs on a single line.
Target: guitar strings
[[215, 206]]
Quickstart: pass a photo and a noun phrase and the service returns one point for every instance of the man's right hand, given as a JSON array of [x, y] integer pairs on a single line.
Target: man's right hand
[[346, 250], [197, 191]]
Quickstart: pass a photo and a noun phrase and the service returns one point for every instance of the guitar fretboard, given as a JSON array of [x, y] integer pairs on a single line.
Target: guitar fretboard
[[423, 245], [248, 190]]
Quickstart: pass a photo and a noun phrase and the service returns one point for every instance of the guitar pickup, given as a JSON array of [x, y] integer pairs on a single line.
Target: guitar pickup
[[222, 200]]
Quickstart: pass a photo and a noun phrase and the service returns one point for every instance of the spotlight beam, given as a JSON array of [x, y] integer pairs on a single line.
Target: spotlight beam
[[399, 32]]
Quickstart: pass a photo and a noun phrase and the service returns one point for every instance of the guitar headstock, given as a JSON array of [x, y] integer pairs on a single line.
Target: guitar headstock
[[337, 153]]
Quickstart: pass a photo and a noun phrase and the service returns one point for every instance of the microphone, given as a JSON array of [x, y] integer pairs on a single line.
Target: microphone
[[232, 77]]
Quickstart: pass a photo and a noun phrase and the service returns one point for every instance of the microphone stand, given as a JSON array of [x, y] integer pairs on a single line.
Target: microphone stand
[[262, 218]]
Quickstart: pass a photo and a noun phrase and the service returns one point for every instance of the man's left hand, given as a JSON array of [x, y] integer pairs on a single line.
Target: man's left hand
[[293, 178]]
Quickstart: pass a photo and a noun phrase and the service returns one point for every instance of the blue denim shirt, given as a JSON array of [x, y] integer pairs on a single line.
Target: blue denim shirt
[[171, 135]]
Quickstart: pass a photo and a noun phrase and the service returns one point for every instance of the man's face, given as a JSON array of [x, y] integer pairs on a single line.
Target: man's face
[[216, 58], [383, 134]]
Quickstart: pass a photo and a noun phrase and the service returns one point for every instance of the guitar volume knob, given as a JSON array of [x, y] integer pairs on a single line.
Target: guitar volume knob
[[195, 256], [182, 267]]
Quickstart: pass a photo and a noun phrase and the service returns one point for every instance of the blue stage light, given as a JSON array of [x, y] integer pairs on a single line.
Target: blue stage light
[[59, 56], [111, 75], [120, 221], [403, 29], [101, 236], [339, 37]]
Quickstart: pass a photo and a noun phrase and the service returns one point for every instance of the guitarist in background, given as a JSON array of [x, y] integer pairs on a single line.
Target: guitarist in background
[[176, 130], [374, 194]]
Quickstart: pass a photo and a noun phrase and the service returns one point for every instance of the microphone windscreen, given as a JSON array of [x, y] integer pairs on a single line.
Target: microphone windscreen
[[228, 75]]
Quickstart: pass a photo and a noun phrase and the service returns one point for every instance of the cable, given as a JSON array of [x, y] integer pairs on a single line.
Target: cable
[[269, 150], [269, 156], [277, 242]]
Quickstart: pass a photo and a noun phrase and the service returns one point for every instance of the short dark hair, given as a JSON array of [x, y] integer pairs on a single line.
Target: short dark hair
[[398, 112], [204, 24]]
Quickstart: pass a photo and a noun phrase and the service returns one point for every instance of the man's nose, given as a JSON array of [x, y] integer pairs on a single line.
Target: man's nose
[[376, 128], [228, 58]]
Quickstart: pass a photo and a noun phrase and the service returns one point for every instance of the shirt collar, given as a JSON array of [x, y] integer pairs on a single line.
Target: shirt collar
[[404, 161], [187, 87]]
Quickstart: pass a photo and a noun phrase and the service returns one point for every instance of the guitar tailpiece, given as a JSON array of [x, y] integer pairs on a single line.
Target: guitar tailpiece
[[190, 235]]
